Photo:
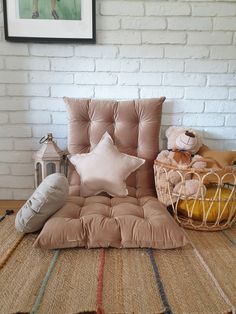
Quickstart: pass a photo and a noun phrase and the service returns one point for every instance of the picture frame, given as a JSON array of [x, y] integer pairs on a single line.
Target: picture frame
[[49, 20]]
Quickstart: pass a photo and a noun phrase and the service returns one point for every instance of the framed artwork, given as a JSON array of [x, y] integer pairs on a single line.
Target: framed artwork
[[49, 20]]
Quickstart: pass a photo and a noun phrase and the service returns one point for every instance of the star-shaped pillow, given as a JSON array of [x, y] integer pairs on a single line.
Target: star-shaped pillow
[[105, 169]]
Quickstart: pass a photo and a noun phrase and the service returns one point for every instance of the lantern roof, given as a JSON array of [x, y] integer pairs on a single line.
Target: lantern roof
[[49, 150]]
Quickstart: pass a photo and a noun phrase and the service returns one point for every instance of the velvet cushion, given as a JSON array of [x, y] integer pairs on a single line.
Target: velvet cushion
[[100, 221], [133, 125], [50, 196], [105, 169]]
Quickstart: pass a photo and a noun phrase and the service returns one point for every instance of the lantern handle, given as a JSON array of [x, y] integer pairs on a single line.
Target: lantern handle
[[49, 137]]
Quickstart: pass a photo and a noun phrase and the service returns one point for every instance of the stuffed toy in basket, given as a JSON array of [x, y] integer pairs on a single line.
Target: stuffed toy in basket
[[199, 188]]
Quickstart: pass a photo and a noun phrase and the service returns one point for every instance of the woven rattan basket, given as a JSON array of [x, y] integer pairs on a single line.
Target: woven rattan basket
[[214, 203]]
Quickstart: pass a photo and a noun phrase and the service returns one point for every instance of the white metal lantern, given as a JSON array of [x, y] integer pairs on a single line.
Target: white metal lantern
[[49, 159]]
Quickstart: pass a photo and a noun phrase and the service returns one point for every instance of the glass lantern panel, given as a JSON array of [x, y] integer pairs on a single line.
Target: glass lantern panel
[[51, 168], [39, 176], [64, 167]]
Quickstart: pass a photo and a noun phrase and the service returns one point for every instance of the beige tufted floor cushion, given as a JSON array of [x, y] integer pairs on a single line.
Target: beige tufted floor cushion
[[100, 221], [138, 220]]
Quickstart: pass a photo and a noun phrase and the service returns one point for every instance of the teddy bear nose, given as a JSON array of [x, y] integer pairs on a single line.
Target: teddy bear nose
[[186, 142], [190, 134]]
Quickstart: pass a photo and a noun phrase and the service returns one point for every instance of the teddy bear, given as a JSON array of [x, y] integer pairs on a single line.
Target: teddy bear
[[221, 158], [182, 147], [220, 161]]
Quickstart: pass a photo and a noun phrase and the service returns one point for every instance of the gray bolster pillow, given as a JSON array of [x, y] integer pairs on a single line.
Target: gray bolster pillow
[[50, 196]]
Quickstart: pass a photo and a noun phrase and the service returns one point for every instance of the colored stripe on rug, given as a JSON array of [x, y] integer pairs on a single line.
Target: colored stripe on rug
[[226, 234], [213, 278], [43, 286], [211, 275], [100, 309], [159, 283], [10, 252]]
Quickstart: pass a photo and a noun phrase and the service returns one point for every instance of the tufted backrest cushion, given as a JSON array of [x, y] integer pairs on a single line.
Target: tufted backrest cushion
[[134, 126]]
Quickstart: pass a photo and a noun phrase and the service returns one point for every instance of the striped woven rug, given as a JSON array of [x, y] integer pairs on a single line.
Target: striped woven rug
[[200, 278]]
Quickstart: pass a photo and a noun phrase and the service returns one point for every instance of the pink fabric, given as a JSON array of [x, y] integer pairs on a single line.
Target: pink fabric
[[101, 221], [104, 169], [134, 126]]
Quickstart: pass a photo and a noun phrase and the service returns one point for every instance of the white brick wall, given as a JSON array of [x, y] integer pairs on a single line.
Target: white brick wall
[[184, 50]]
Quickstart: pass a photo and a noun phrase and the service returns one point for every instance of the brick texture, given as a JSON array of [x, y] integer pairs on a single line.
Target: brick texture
[[184, 50]]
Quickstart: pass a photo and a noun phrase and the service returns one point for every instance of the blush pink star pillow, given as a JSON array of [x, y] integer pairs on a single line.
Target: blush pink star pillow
[[105, 169]]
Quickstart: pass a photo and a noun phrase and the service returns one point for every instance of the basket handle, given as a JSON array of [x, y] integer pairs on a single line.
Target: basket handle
[[208, 159]]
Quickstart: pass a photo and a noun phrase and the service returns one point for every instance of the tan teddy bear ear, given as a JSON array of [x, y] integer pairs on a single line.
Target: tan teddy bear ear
[[170, 130]]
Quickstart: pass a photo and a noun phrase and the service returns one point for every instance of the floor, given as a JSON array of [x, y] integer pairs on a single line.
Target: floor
[[205, 278], [9, 204]]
